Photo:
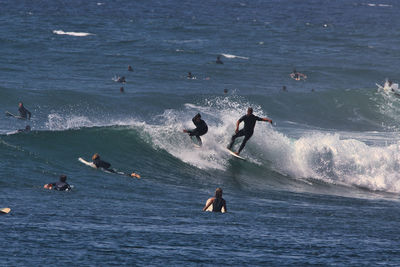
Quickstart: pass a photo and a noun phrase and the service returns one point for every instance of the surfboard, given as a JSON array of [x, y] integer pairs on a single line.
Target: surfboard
[[5, 210], [91, 164], [9, 114], [236, 156], [210, 208]]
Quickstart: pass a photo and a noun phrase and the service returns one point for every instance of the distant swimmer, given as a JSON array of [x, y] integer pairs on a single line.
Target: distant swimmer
[[201, 128], [284, 88], [297, 75], [60, 185], [249, 123], [225, 91], [217, 202], [23, 112], [26, 130], [121, 89], [130, 68], [219, 61], [121, 79], [190, 76]]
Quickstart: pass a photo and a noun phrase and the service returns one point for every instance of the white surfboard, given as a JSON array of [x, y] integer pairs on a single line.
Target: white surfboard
[[9, 114], [5, 210], [236, 156], [90, 164]]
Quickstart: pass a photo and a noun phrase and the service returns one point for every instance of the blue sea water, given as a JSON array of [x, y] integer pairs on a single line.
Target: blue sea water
[[319, 187]]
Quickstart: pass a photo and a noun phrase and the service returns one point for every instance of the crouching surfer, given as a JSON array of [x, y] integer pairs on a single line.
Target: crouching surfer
[[107, 166], [201, 128], [216, 203], [60, 185]]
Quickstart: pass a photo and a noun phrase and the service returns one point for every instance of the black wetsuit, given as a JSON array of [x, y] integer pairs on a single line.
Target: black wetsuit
[[23, 112], [61, 186], [218, 204], [247, 131], [201, 129], [102, 164]]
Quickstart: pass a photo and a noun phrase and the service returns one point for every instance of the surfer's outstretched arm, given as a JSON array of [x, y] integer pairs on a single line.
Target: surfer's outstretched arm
[[267, 119]]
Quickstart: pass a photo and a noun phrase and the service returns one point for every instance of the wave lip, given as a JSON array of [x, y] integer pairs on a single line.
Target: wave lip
[[78, 34]]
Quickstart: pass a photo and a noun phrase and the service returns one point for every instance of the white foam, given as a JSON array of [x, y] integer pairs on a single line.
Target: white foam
[[78, 34], [233, 56]]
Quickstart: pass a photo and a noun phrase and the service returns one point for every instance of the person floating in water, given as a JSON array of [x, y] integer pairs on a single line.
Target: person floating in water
[[130, 68], [23, 112], [190, 76], [217, 202], [60, 185], [26, 130], [249, 123], [121, 79], [297, 75], [201, 128], [219, 61], [121, 89]]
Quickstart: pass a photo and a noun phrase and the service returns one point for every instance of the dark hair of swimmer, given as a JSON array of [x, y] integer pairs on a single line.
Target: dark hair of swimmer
[[218, 192], [250, 111], [95, 156], [63, 178], [121, 89], [27, 128], [225, 91], [130, 68]]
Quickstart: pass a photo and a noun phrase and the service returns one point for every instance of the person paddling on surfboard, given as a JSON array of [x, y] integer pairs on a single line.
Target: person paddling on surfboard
[[297, 75], [101, 163], [23, 112], [249, 123], [107, 166], [60, 185], [217, 202], [201, 128]]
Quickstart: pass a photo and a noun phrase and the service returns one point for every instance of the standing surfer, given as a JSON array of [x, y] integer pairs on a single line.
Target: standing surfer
[[249, 123], [201, 128]]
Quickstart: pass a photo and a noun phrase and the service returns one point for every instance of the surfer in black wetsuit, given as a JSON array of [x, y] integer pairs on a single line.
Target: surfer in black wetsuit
[[217, 202], [219, 61], [297, 75], [100, 163], [201, 128], [60, 185], [249, 123], [121, 79], [23, 112]]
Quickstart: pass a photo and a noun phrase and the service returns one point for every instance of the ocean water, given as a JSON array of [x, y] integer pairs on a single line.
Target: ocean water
[[319, 187]]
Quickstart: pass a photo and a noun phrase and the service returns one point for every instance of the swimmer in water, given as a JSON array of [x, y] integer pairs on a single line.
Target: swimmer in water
[[219, 61], [217, 202], [190, 76], [130, 68], [121, 89], [60, 185], [297, 75], [26, 130], [121, 79]]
